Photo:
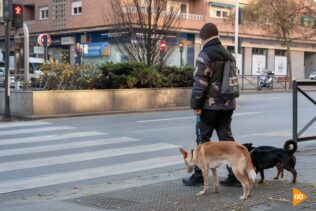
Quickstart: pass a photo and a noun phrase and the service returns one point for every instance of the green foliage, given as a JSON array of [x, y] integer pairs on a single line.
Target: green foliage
[[137, 75], [64, 76], [112, 76], [178, 77]]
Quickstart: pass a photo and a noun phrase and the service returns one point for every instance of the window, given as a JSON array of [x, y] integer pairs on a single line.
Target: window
[[43, 13], [259, 51], [59, 13], [220, 12], [76, 8], [280, 52], [183, 8], [178, 6]]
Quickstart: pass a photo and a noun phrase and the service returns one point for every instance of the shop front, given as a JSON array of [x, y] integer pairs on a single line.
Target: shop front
[[62, 50]]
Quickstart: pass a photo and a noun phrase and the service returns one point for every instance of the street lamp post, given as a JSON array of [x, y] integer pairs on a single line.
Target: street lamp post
[[7, 113], [7, 15], [181, 54], [236, 27]]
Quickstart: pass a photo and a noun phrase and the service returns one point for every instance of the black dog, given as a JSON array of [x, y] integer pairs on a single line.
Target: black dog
[[265, 157]]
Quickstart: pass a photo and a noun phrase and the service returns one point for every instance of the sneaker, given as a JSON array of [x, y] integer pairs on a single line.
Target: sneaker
[[230, 182], [193, 180]]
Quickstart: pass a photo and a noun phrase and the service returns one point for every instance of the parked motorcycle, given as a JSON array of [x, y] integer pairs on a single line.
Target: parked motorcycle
[[265, 80]]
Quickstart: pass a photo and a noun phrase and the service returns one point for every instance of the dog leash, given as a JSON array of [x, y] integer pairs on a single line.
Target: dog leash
[[198, 129]]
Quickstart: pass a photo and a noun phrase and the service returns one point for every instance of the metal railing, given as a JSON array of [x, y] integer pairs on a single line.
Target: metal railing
[[164, 13], [297, 88], [250, 82]]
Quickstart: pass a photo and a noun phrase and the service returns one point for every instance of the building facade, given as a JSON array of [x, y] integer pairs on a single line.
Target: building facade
[[82, 24]]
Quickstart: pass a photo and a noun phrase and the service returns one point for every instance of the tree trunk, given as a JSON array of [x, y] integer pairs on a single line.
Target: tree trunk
[[289, 64], [289, 60]]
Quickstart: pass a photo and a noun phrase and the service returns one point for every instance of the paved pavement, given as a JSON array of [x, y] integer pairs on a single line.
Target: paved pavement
[[162, 191], [35, 155]]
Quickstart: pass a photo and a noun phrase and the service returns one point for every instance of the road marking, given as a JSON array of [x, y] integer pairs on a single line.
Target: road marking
[[34, 130], [84, 174], [22, 124], [65, 146], [168, 119], [47, 138], [70, 158], [190, 117], [245, 113]]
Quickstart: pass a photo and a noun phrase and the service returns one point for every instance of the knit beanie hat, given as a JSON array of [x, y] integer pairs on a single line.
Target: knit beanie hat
[[208, 30]]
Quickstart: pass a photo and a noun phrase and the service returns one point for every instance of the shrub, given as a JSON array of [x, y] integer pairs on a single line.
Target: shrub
[[130, 75], [64, 76], [178, 77], [137, 75], [112, 76]]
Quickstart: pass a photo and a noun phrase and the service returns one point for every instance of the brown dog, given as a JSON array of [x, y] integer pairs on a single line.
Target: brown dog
[[213, 154]]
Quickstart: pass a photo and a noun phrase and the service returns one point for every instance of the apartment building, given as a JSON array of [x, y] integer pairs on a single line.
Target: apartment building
[[71, 23]]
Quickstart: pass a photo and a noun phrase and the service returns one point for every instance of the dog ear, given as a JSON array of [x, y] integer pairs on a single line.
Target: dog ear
[[248, 144], [184, 153]]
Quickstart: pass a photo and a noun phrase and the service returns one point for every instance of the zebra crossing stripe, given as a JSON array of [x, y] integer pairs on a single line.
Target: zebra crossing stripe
[[46, 138], [34, 130], [65, 146], [84, 174], [77, 157], [22, 124]]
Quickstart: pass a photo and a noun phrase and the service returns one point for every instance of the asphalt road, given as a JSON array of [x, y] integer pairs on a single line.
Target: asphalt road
[[56, 155]]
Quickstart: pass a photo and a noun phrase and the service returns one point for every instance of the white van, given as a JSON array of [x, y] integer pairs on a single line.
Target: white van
[[2, 77], [34, 64], [34, 72]]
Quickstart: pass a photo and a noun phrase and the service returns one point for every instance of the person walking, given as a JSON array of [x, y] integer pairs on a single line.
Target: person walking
[[213, 111]]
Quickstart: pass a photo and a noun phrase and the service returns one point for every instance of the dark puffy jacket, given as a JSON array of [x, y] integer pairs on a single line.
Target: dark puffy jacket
[[208, 77]]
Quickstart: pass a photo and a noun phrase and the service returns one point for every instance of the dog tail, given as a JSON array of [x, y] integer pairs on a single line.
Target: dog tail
[[290, 146], [249, 166]]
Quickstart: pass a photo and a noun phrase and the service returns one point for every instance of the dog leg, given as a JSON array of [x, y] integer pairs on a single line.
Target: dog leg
[[250, 182], [293, 171], [240, 178], [262, 175], [282, 172], [215, 180], [294, 175], [279, 167], [205, 178]]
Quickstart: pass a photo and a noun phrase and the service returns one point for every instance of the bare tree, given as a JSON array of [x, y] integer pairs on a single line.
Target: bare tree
[[287, 20], [140, 25]]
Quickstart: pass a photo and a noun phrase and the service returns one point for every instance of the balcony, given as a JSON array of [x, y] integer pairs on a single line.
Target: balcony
[[181, 15], [30, 22], [191, 16]]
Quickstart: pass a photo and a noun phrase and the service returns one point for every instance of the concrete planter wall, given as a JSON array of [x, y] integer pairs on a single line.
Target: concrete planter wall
[[69, 102]]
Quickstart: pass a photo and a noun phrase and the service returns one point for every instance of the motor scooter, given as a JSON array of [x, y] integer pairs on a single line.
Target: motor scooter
[[265, 80]]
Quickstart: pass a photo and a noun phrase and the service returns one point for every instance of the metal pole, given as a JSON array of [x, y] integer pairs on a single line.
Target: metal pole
[[236, 27], [45, 48], [295, 111], [7, 113], [26, 51]]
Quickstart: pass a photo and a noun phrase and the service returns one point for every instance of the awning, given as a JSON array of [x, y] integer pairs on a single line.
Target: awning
[[220, 4], [308, 19]]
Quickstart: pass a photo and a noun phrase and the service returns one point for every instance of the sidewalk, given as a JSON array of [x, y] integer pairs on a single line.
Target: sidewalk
[[166, 192]]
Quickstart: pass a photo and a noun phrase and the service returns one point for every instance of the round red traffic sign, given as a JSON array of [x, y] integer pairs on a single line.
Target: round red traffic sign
[[41, 40], [162, 45]]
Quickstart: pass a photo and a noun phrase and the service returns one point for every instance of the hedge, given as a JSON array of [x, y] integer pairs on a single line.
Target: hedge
[[113, 76]]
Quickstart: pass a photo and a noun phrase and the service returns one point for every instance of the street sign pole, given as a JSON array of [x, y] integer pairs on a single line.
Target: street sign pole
[[7, 113], [45, 48], [7, 17], [181, 54]]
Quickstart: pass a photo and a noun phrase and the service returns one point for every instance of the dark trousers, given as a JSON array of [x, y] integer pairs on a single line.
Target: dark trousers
[[220, 121]]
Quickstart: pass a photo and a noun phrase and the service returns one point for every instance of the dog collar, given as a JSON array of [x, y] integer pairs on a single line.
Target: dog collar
[[251, 151]]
